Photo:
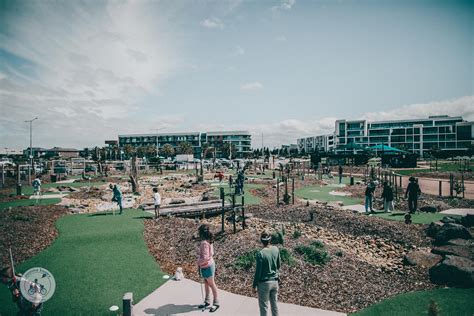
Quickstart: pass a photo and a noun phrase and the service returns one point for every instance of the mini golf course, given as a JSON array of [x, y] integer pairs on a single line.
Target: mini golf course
[[250, 199], [95, 260], [28, 202], [321, 193]]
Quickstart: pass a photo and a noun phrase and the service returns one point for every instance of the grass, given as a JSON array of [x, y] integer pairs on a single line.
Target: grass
[[247, 260], [321, 193], [28, 189], [250, 199], [95, 260], [451, 301], [417, 218], [442, 167], [28, 202]]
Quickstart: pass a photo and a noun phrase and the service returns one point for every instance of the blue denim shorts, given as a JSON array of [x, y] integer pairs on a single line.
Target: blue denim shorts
[[209, 271]]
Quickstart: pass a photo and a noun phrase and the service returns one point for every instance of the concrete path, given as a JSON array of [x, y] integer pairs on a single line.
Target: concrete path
[[356, 207], [48, 196], [459, 211], [182, 298], [66, 181]]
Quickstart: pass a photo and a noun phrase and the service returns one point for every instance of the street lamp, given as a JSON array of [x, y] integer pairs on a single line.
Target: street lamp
[[157, 147], [30, 167]]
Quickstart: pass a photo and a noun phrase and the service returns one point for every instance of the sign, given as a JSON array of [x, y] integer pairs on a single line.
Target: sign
[[37, 285]]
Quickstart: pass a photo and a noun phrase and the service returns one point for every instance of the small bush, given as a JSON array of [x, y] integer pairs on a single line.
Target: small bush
[[313, 255], [246, 261], [286, 257], [317, 244], [277, 238], [296, 234], [339, 253]]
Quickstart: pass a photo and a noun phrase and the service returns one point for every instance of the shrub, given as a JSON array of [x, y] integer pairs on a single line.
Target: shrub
[[286, 257], [313, 255], [246, 261], [339, 253], [296, 234], [317, 244], [277, 238]]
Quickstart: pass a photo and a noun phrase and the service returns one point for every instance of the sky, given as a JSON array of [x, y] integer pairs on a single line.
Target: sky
[[284, 69]]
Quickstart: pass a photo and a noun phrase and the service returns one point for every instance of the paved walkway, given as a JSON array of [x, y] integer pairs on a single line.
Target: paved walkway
[[459, 211], [48, 196], [182, 297]]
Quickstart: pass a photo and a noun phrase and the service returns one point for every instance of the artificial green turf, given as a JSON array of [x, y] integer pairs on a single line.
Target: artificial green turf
[[28, 189], [417, 218], [451, 301], [95, 260], [28, 202], [249, 198], [321, 193]]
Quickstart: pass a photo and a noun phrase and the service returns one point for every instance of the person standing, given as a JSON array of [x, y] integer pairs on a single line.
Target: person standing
[[369, 195], [117, 196], [156, 202], [266, 277], [387, 196], [207, 267], [37, 186], [413, 192], [340, 174]]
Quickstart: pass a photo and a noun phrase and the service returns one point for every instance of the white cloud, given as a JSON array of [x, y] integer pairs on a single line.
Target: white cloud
[[250, 86], [86, 67], [281, 38], [284, 5], [212, 23], [239, 51]]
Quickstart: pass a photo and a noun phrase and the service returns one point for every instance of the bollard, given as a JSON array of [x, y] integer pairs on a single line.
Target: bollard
[[223, 208], [440, 187], [127, 302], [243, 213]]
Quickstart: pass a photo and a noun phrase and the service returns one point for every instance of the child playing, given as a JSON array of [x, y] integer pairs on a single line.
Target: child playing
[[207, 266], [157, 202]]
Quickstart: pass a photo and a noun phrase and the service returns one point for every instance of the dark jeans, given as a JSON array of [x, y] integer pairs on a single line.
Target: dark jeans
[[412, 205]]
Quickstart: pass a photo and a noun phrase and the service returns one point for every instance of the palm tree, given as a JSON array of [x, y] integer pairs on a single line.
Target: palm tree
[[185, 148], [129, 150], [167, 150]]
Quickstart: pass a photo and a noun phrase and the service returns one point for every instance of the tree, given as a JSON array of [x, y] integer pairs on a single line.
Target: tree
[[185, 148], [129, 150], [150, 151], [206, 151], [167, 150], [227, 149]]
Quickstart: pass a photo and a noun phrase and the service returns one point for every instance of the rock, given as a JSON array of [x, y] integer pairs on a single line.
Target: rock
[[453, 271], [451, 231], [429, 209], [448, 219], [468, 220], [461, 242], [433, 229], [421, 258], [177, 201], [460, 251]]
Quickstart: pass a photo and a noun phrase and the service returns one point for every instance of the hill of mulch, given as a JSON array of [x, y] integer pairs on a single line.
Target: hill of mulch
[[27, 230], [346, 222], [361, 271]]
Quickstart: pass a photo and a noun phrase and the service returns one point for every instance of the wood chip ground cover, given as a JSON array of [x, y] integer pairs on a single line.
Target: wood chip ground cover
[[362, 270]]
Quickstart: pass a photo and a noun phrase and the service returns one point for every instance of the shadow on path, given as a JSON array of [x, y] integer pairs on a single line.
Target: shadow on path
[[171, 309]]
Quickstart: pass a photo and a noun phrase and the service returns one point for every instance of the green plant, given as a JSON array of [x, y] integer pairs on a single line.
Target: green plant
[[313, 255], [246, 261], [296, 234], [277, 238], [21, 217], [317, 244], [286, 257], [433, 309], [339, 253]]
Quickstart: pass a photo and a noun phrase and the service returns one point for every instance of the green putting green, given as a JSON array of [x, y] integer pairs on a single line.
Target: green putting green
[[321, 193], [28, 202], [451, 301], [95, 260], [250, 199], [417, 218]]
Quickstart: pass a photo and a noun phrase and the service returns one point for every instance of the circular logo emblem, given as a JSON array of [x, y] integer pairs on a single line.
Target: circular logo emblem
[[37, 285]]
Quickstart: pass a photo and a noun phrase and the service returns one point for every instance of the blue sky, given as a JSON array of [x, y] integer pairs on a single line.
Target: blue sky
[[91, 70]]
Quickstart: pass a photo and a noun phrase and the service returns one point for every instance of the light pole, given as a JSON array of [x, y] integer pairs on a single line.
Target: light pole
[[30, 167], [157, 147]]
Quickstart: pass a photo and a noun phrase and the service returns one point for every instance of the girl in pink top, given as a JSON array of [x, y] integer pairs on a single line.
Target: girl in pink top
[[207, 266]]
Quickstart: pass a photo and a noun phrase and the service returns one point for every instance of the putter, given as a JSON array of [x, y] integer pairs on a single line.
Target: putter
[[202, 291]]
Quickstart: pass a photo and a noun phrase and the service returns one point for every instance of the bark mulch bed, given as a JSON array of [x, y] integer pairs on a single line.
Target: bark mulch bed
[[362, 271], [27, 230]]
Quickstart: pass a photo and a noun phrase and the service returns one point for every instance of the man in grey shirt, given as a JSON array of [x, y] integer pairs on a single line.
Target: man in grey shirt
[[266, 275]]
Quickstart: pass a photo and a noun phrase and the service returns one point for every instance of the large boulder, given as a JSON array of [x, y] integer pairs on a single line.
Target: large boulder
[[421, 258], [453, 271], [429, 209], [433, 229], [451, 231], [468, 220], [460, 251]]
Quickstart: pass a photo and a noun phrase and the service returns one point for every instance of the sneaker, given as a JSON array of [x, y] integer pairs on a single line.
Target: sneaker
[[214, 308]]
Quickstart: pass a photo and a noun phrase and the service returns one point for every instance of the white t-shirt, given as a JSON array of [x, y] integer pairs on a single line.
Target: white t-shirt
[[157, 198]]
